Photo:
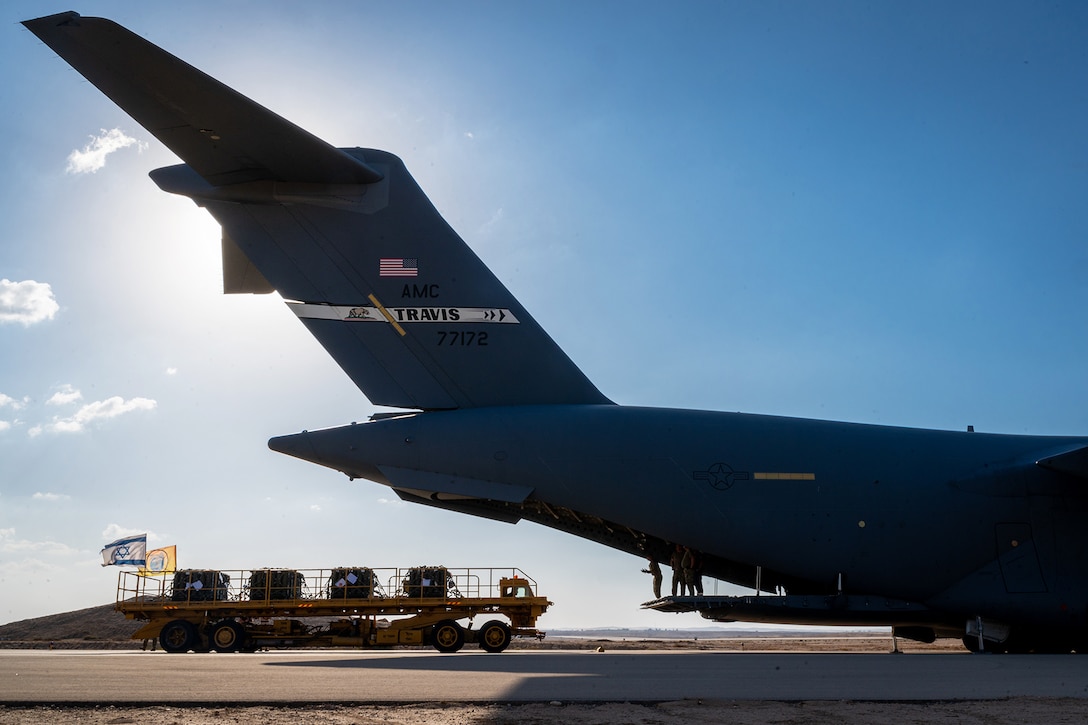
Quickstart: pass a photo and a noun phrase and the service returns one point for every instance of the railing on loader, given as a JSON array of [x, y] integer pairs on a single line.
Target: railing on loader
[[244, 610]]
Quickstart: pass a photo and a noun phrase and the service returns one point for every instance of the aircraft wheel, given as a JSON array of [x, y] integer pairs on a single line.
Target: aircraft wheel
[[448, 636], [227, 636], [494, 636], [178, 636]]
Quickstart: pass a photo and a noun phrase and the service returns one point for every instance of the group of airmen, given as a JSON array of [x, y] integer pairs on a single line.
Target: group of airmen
[[687, 572]]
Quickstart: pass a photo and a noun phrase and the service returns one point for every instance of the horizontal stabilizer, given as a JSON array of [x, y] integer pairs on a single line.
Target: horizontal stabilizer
[[210, 126], [1074, 462]]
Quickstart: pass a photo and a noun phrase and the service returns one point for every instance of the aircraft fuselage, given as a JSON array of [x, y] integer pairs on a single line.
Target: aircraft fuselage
[[946, 519]]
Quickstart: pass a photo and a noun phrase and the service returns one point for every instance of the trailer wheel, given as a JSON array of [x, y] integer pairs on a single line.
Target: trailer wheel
[[448, 636], [178, 636], [494, 636], [227, 636], [970, 641]]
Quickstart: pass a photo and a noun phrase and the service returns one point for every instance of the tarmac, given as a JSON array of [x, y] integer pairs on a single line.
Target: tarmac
[[34, 677]]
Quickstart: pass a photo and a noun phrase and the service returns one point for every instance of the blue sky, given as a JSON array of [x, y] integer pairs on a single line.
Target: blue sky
[[853, 211]]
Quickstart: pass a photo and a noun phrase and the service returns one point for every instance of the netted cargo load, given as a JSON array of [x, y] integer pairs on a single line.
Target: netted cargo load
[[352, 583], [198, 585], [428, 582], [275, 584]]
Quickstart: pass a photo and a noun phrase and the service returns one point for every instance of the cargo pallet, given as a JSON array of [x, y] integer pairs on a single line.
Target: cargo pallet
[[200, 610]]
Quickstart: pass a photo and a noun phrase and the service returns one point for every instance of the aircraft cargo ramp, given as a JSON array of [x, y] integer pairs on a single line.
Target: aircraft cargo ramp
[[832, 609], [200, 610]]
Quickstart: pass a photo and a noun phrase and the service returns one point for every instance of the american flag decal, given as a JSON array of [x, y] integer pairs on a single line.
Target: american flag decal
[[398, 267]]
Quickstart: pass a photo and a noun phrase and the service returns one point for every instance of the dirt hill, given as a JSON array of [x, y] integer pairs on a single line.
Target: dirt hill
[[100, 627]]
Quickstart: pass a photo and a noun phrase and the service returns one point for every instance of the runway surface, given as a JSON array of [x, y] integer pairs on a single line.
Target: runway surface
[[37, 676]]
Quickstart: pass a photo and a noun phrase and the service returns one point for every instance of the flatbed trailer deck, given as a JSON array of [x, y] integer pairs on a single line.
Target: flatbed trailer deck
[[201, 610]]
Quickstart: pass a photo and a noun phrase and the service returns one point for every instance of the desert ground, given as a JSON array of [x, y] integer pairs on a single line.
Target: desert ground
[[989, 712]]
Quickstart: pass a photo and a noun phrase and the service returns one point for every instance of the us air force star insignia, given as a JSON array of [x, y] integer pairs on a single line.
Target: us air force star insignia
[[720, 475]]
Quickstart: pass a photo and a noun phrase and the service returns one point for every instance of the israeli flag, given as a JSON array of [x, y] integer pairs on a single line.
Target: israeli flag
[[130, 550]]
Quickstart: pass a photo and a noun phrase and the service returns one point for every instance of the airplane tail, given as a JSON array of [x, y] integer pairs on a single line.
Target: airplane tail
[[346, 237]]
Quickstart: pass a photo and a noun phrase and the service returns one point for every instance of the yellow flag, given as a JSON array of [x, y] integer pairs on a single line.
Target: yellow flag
[[160, 561]]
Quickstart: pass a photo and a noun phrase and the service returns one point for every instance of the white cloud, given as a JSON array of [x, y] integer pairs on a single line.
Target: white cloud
[[171, 371], [11, 545], [116, 531], [93, 156], [27, 302], [112, 532], [67, 394], [7, 400], [315, 507], [112, 407], [92, 412], [39, 496]]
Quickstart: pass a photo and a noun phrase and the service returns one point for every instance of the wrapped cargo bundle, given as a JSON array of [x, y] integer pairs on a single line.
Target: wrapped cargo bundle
[[428, 582], [197, 585], [351, 583], [275, 584]]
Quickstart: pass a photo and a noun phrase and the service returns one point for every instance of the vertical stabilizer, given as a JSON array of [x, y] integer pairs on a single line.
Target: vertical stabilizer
[[345, 235]]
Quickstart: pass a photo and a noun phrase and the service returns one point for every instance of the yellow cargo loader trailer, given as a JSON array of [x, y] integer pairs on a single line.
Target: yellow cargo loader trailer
[[201, 610]]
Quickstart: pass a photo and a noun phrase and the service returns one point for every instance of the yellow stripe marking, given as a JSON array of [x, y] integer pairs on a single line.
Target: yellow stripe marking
[[385, 312], [785, 476]]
